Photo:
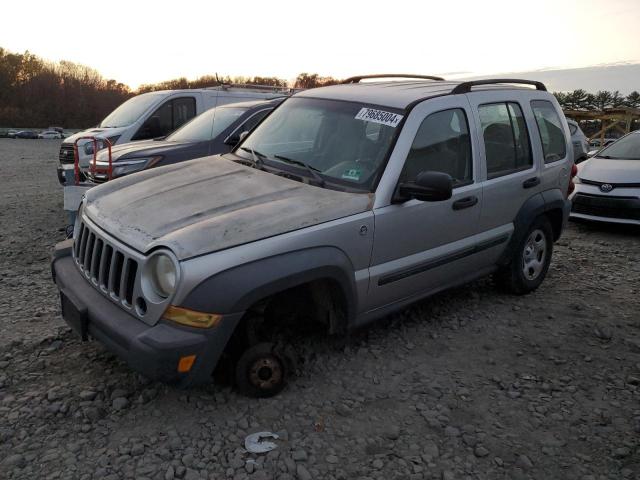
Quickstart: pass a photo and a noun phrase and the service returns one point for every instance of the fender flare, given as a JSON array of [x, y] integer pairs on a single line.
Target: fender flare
[[535, 206], [238, 288]]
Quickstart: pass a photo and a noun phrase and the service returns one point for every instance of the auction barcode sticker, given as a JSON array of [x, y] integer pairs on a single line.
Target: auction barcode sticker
[[379, 116]]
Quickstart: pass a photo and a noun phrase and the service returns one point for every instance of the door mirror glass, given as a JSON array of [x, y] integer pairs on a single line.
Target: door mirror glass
[[427, 187]]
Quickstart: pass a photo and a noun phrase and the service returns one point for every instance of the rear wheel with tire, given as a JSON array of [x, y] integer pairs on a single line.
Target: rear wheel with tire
[[531, 259]]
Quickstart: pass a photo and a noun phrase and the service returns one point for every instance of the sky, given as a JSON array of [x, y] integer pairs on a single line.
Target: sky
[[139, 42]]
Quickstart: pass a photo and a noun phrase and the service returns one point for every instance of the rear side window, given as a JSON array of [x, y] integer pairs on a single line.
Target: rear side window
[[550, 128], [442, 144], [573, 129], [506, 140]]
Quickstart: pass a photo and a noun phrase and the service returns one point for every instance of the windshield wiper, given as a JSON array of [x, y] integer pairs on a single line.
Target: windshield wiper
[[256, 157], [313, 171]]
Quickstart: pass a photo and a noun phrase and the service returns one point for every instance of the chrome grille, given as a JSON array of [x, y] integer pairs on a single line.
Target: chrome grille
[[105, 265], [66, 154]]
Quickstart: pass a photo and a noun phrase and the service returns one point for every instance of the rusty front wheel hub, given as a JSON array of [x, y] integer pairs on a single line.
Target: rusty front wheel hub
[[265, 372]]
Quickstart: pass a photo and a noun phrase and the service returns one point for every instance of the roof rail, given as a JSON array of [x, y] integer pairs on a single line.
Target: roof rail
[[265, 88], [465, 87], [390, 75]]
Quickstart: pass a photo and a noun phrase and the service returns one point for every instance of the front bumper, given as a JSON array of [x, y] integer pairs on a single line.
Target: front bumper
[[154, 350], [621, 206]]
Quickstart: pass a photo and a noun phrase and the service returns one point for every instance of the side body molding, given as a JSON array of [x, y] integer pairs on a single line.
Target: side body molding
[[236, 289]]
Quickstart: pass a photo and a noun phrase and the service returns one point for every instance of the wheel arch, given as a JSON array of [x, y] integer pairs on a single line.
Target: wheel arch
[[240, 288], [550, 203]]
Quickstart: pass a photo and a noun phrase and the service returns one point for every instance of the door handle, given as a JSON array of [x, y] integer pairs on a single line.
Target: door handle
[[465, 202], [531, 182]]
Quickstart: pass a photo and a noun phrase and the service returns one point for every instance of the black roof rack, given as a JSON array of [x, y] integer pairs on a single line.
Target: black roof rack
[[390, 75], [465, 87]]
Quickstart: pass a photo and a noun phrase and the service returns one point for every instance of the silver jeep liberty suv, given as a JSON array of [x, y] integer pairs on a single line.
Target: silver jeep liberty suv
[[346, 203]]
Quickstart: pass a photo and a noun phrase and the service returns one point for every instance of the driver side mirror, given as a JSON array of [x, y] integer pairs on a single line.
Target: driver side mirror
[[427, 187]]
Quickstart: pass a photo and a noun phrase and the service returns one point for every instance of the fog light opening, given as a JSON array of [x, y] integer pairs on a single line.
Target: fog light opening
[[141, 306]]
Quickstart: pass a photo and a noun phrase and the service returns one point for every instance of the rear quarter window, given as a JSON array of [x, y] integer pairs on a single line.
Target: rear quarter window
[[554, 145]]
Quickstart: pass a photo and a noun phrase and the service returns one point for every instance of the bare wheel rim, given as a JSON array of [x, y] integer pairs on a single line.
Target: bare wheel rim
[[265, 373], [534, 255]]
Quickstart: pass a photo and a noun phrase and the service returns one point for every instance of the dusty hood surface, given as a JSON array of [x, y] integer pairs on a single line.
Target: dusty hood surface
[[610, 170], [210, 204]]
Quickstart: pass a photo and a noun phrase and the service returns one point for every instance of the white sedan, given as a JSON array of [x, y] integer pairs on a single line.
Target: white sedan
[[50, 134], [608, 184]]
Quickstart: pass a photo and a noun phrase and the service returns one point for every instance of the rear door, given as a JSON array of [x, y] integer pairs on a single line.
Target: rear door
[[509, 172]]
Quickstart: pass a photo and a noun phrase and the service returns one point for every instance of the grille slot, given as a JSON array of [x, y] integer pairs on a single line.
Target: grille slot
[[66, 154], [105, 265]]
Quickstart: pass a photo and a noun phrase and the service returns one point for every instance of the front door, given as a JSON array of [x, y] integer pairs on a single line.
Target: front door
[[421, 247]]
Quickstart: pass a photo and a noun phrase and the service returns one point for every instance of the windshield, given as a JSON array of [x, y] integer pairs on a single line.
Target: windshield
[[627, 148], [344, 142], [130, 111], [207, 125]]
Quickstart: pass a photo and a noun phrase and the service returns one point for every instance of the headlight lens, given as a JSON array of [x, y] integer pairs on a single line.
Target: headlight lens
[[163, 274], [134, 165], [88, 147]]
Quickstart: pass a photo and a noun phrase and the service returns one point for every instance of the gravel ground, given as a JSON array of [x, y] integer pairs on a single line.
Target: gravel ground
[[472, 384]]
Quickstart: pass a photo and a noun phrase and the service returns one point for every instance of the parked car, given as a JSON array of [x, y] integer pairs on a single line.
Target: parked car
[[12, 133], [215, 131], [153, 115], [345, 204], [579, 141], [26, 134], [50, 134], [608, 184], [597, 143]]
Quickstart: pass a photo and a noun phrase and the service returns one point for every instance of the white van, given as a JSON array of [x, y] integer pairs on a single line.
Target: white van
[[153, 115]]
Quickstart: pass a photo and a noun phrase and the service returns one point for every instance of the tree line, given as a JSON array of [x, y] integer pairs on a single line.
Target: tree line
[[38, 93], [303, 80], [582, 100]]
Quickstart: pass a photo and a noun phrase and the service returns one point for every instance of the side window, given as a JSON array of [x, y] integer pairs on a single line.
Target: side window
[[158, 124], [550, 128], [506, 140], [184, 109], [442, 144]]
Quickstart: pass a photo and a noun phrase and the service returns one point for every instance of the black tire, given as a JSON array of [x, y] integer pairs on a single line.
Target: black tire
[[530, 262], [261, 371]]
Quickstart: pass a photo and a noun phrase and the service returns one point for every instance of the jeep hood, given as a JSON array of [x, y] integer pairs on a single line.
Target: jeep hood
[[210, 204], [610, 170]]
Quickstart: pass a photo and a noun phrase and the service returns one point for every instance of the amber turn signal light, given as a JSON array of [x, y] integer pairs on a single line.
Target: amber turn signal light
[[185, 363], [191, 318]]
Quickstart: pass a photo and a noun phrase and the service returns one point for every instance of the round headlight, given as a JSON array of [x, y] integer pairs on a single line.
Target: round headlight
[[163, 274]]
